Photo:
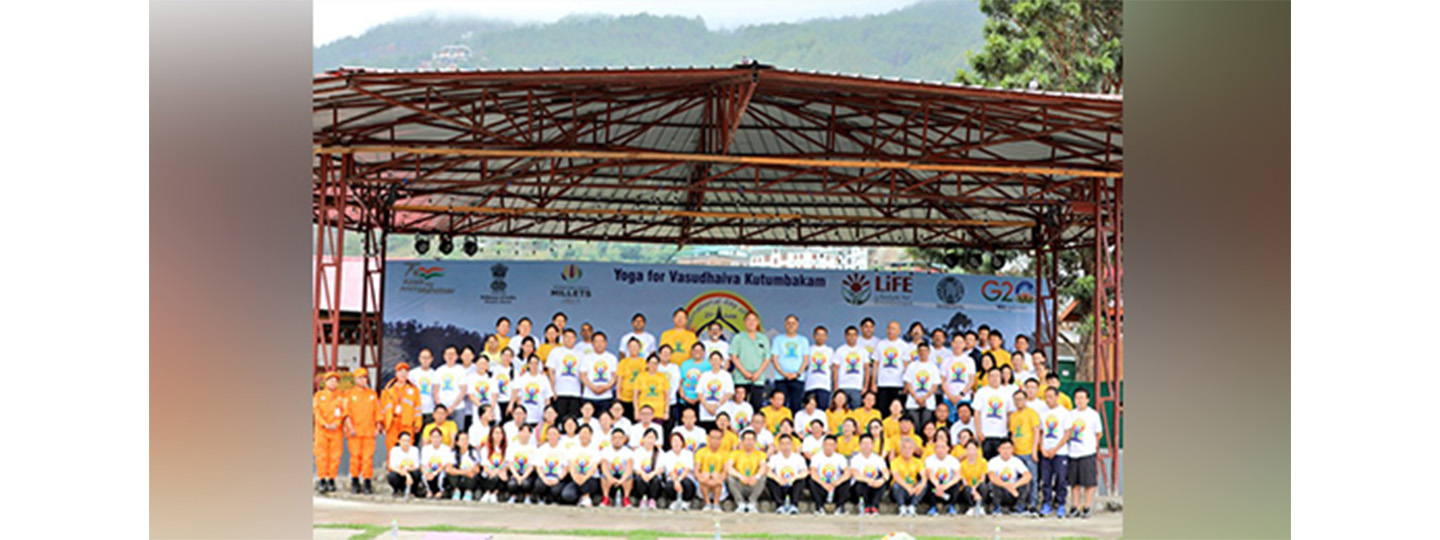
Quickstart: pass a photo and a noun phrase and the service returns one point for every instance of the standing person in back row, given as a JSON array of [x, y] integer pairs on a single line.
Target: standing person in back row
[[818, 370], [850, 363], [889, 359], [749, 356], [715, 387], [424, 379], [679, 338], [563, 366], [637, 332], [789, 353], [599, 374], [1085, 431], [994, 405], [715, 341]]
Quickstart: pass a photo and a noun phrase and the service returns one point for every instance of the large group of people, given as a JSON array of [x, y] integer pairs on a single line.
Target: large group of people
[[952, 423]]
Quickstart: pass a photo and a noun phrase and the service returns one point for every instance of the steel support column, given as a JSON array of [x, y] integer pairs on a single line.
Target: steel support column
[[374, 226], [1108, 311], [1047, 264], [331, 199]]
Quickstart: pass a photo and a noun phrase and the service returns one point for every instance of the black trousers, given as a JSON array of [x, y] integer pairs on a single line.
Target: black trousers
[[920, 416], [487, 484], [566, 407], [650, 488], [885, 394], [936, 497], [990, 447], [820, 496], [996, 496], [869, 496], [397, 483], [618, 489], [779, 493], [686, 492], [589, 487], [904, 498], [461, 483], [600, 405], [436, 485], [755, 395], [549, 493], [520, 487]]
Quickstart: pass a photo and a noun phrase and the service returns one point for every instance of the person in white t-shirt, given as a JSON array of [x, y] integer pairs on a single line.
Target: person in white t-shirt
[[480, 391], [738, 408], [649, 478], [617, 462], [1084, 471], [1055, 424], [829, 478], [943, 472], [522, 332], [850, 364], [584, 482], [598, 374], [679, 467], [531, 391], [814, 441], [450, 384], [870, 474], [811, 413], [511, 365], [520, 460], [672, 372], [715, 342], [462, 474], [646, 339], [424, 380], [552, 464], [958, 370], [891, 355], [715, 388], [645, 421], [764, 439], [494, 475], [692, 435], [434, 456], [1007, 475], [563, 366], [993, 404], [817, 369], [965, 420], [868, 339], [922, 382], [403, 464], [785, 476]]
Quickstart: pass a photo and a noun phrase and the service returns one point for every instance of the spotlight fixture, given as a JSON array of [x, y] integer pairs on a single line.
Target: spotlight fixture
[[470, 246], [951, 259], [422, 244], [998, 259], [974, 260], [447, 244]]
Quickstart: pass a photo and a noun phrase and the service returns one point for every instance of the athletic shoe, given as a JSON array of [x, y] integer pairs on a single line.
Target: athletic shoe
[[369, 488], [950, 510], [819, 510], [529, 500], [1074, 511], [839, 510], [933, 511], [455, 496], [585, 502], [355, 485], [605, 501], [1085, 514]]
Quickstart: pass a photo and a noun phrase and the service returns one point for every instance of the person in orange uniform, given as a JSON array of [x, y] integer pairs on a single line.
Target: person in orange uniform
[[328, 406], [400, 407], [362, 423]]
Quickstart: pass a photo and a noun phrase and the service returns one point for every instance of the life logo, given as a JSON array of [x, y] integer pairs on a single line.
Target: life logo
[[569, 292], [1008, 292], [718, 306], [855, 289]]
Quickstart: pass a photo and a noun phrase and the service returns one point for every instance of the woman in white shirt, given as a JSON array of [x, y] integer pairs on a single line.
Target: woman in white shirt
[[493, 474], [679, 467], [404, 468], [648, 479], [462, 476], [584, 482], [553, 467], [739, 410], [520, 462], [812, 411], [433, 459]]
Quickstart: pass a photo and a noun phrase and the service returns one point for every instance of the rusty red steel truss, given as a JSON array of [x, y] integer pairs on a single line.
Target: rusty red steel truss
[[742, 155]]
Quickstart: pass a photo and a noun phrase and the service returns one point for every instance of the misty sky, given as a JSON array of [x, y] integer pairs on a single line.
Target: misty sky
[[335, 19]]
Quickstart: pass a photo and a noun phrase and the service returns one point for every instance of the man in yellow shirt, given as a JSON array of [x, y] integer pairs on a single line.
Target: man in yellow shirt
[[909, 481], [629, 369], [745, 470], [447, 427], [679, 338], [710, 469], [1025, 434], [906, 433], [652, 388], [997, 350], [776, 411]]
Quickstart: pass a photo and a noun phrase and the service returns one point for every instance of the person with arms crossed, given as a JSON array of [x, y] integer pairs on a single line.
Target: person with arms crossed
[[788, 355], [750, 357], [745, 474], [1084, 472], [889, 360], [328, 408]]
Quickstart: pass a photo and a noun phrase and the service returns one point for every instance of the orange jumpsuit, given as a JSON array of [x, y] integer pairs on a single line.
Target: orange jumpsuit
[[400, 411], [362, 407], [329, 408]]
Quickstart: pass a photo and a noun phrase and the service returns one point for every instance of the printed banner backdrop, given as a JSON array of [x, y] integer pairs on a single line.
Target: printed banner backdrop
[[432, 303]]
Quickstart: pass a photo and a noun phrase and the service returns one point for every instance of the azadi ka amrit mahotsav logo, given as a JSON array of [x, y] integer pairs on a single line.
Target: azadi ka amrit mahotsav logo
[[431, 272]]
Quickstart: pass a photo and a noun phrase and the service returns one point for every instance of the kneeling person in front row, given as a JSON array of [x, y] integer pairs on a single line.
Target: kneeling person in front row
[[829, 477], [1008, 476]]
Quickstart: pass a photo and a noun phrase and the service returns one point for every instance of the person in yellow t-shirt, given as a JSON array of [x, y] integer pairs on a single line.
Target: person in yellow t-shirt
[[837, 413], [892, 422], [776, 411], [849, 440], [905, 433], [866, 412], [973, 469], [729, 441], [552, 340], [997, 349], [502, 332], [652, 388], [679, 338], [710, 470], [1053, 381], [1025, 434], [745, 468], [909, 480], [628, 369], [447, 427]]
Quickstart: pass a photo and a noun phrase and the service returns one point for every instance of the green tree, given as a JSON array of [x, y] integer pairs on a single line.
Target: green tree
[[1061, 45]]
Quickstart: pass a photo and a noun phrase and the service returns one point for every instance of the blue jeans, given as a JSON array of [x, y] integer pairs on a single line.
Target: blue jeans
[[1054, 481], [903, 498], [1032, 487]]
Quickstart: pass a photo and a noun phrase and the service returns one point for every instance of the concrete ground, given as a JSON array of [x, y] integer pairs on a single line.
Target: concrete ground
[[374, 510]]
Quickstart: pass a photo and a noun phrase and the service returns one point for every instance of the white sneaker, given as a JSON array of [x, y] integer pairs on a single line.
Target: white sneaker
[[839, 510], [585, 502]]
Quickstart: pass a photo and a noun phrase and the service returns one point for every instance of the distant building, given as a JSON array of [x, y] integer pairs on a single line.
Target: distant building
[[448, 58], [713, 256], [840, 258]]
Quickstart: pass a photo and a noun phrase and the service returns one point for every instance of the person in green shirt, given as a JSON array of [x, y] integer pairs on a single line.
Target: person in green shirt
[[750, 354]]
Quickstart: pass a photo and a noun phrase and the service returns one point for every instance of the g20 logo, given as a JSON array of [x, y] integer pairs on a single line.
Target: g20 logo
[[1007, 291]]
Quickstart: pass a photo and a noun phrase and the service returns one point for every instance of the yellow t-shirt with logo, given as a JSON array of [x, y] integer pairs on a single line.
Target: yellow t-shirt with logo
[[847, 446], [680, 340], [1022, 430], [543, 351], [908, 468], [654, 391], [892, 445], [836, 420], [729, 441], [974, 472], [747, 463], [892, 428], [773, 417], [628, 369], [863, 418], [710, 461], [1002, 358]]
